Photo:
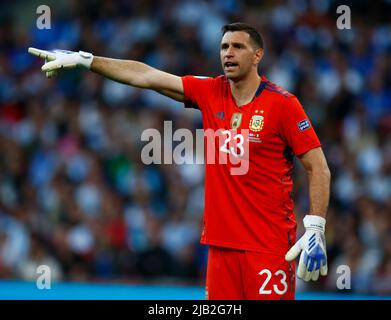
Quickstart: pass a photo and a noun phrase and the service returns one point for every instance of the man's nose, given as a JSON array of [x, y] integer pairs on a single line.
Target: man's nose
[[229, 52]]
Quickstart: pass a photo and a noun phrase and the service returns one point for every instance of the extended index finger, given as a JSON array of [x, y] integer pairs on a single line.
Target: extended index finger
[[42, 53]]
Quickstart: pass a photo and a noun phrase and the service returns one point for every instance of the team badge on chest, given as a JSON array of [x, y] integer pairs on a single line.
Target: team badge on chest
[[236, 120], [256, 123]]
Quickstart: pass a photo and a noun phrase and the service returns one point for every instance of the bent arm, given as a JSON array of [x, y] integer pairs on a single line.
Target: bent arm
[[138, 74], [314, 162]]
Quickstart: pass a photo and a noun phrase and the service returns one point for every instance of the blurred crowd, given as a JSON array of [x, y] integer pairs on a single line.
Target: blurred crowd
[[74, 193]]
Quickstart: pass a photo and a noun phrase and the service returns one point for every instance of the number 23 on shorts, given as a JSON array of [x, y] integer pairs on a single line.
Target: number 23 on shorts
[[273, 280], [272, 286]]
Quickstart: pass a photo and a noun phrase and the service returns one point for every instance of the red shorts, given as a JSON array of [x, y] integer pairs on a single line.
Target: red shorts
[[248, 275]]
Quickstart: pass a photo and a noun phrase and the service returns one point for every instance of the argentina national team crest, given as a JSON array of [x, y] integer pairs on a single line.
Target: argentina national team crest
[[256, 123], [236, 120]]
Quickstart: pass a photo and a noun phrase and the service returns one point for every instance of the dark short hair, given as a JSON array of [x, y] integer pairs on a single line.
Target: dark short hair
[[241, 26]]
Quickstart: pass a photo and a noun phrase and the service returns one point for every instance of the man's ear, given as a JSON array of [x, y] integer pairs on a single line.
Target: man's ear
[[258, 55]]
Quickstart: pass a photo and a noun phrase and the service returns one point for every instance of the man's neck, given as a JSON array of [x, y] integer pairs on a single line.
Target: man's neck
[[244, 90]]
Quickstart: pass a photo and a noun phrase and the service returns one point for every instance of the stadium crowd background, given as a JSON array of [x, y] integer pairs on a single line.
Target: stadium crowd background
[[74, 193]]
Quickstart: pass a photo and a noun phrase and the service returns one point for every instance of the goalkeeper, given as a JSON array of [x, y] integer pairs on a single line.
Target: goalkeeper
[[249, 223]]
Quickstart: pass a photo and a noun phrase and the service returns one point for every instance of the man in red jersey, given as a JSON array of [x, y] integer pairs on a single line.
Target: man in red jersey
[[249, 222]]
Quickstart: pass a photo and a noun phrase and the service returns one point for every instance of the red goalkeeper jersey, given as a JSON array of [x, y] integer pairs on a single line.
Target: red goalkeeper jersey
[[251, 211]]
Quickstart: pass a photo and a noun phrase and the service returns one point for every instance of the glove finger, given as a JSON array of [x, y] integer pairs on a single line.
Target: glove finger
[[51, 74], [301, 269], [50, 66], [315, 275], [70, 65], [42, 53], [311, 265], [293, 252], [323, 269], [307, 275]]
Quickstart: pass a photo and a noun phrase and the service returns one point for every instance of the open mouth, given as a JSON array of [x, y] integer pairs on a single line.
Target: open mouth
[[230, 65]]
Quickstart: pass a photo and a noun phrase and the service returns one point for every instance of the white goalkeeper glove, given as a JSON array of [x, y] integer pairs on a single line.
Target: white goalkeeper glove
[[312, 245], [58, 59]]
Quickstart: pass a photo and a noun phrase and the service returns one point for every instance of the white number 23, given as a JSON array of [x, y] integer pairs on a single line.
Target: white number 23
[[275, 286]]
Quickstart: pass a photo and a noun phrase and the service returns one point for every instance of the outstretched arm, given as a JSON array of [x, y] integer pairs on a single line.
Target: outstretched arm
[[138, 74], [129, 72]]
